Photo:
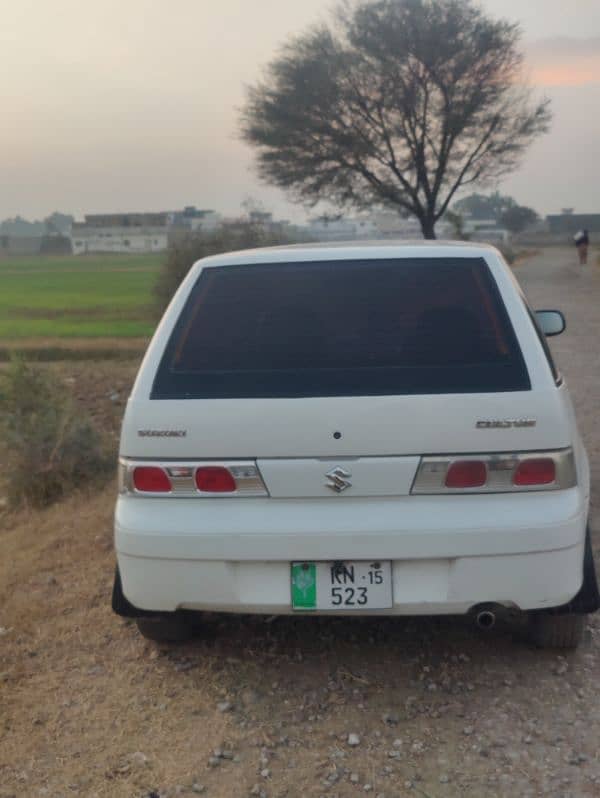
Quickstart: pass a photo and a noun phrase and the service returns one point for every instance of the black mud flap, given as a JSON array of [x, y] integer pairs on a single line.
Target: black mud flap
[[588, 598], [124, 608]]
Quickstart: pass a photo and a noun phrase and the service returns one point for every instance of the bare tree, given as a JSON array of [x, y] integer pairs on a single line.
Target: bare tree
[[399, 103]]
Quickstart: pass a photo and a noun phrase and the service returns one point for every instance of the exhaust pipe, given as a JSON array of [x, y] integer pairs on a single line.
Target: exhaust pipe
[[485, 619]]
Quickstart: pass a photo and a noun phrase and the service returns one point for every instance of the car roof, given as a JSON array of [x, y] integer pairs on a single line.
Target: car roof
[[351, 250]]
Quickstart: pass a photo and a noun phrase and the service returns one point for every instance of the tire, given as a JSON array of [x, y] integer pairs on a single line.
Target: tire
[[173, 628], [556, 631]]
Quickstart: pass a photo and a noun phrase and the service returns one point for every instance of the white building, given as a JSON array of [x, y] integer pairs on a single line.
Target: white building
[[486, 230], [120, 232], [340, 228], [378, 225], [390, 224]]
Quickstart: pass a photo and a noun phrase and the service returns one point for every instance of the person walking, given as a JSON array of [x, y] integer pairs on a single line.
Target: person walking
[[582, 243]]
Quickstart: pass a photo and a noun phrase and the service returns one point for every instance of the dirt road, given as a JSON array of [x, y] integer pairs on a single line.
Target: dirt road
[[266, 707]]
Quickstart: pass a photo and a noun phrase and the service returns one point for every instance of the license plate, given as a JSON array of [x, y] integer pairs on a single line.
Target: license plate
[[342, 585]]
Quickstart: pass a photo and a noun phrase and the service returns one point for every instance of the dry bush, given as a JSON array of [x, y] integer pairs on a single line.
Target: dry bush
[[508, 253], [50, 446], [186, 250]]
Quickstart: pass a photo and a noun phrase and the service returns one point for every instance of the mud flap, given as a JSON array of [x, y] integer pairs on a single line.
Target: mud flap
[[121, 606], [588, 598]]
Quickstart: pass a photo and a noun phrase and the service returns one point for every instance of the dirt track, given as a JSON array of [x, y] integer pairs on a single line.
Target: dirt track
[[88, 708]]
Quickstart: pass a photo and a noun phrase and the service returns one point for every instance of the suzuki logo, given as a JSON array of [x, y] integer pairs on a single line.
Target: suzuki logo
[[338, 480]]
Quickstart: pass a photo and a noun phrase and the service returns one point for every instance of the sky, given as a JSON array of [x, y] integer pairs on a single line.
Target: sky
[[131, 105]]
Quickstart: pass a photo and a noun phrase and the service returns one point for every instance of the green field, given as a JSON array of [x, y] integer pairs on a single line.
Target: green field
[[101, 296]]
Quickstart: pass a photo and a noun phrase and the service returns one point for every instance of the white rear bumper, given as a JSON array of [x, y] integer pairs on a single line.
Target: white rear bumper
[[448, 553]]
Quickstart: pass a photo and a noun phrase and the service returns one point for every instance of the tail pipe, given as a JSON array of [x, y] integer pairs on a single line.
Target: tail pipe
[[486, 615], [485, 619]]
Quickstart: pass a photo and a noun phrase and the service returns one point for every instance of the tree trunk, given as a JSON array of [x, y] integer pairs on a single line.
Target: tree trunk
[[428, 228]]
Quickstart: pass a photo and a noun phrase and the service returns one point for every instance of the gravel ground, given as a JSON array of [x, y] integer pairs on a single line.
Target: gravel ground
[[289, 706]]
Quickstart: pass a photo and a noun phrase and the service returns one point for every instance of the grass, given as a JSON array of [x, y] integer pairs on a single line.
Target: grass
[[102, 296]]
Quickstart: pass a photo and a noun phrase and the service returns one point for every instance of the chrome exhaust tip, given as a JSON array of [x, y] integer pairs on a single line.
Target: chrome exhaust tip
[[486, 619]]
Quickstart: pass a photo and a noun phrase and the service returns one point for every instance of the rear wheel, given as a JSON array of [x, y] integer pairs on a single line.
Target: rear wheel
[[173, 628], [556, 631]]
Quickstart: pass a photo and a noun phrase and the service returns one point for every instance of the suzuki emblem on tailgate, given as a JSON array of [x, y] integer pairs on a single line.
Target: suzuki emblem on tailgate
[[338, 479]]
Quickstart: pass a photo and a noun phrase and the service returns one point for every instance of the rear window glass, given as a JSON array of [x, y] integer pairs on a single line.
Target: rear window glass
[[342, 328]]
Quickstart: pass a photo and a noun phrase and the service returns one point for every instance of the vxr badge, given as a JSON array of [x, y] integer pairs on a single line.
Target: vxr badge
[[338, 480]]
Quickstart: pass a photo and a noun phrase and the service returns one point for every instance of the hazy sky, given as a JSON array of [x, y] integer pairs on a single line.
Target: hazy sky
[[133, 104]]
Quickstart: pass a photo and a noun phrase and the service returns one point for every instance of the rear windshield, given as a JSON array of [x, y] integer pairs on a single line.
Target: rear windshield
[[342, 328]]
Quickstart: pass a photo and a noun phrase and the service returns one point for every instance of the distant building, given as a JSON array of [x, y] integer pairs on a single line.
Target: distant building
[[20, 244], [21, 237], [120, 232], [264, 219], [390, 224], [22, 228], [193, 220], [331, 228], [378, 225], [568, 223], [485, 230], [340, 228], [59, 224]]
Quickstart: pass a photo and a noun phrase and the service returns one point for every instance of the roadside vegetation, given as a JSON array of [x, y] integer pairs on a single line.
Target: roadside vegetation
[[49, 446]]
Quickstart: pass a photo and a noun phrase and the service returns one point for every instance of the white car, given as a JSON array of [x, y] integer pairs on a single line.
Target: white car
[[373, 429]]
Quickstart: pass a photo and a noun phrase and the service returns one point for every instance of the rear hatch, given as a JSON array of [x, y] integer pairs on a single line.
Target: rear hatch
[[341, 370]]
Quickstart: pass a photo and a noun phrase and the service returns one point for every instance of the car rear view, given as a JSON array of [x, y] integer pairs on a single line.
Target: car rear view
[[352, 430]]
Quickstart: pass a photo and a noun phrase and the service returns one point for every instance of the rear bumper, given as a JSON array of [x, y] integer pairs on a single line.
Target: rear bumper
[[448, 553]]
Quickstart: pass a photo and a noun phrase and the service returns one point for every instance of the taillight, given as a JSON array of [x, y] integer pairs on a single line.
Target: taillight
[[191, 480], [151, 479], [541, 471], [496, 473], [215, 479], [466, 474]]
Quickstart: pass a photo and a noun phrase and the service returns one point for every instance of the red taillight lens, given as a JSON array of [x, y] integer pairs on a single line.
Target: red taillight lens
[[466, 474], [215, 479], [512, 472], [541, 471], [151, 479]]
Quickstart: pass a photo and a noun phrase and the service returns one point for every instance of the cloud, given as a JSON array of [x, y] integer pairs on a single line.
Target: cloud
[[564, 61]]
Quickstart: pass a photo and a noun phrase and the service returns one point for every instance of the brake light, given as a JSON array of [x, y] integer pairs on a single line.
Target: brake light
[[496, 473], [466, 474], [191, 480], [215, 479], [151, 479], [535, 472]]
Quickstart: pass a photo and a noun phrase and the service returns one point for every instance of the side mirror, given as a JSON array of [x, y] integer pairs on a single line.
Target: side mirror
[[552, 322]]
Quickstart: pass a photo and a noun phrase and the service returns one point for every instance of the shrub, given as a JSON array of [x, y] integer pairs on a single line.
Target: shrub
[[187, 249], [50, 446], [508, 253]]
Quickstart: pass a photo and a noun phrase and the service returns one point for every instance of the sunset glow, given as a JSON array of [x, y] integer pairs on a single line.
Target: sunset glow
[[564, 61], [567, 74]]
